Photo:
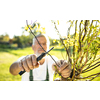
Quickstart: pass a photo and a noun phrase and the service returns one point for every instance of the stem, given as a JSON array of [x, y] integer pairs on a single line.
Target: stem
[[89, 76], [75, 64], [94, 77], [74, 41], [84, 64], [85, 26], [66, 51], [57, 70], [70, 28], [80, 34], [91, 68], [68, 32], [90, 27]]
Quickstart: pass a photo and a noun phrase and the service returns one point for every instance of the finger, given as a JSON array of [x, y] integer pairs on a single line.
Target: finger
[[65, 75], [63, 66], [37, 65], [20, 66], [60, 62], [34, 60], [24, 64], [29, 62], [66, 71], [54, 67]]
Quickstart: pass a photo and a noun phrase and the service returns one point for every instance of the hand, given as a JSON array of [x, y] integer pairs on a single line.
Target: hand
[[29, 62], [64, 69]]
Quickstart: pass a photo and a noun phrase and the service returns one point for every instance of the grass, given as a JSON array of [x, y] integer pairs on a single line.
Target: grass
[[6, 60], [8, 56]]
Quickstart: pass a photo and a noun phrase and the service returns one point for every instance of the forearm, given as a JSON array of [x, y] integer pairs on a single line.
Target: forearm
[[14, 68]]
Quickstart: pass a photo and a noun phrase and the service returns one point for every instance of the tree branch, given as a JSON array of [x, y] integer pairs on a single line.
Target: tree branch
[[66, 51], [74, 40], [90, 27], [94, 77], [91, 68], [88, 76], [80, 34], [85, 26], [70, 28]]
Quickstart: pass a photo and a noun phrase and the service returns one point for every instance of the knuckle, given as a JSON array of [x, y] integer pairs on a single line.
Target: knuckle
[[62, 74], [34, 56], [20, 66], [31, 68], [27, 59], [25, 66], [65, 62], [29, 62], [58, 62], [34, 61]]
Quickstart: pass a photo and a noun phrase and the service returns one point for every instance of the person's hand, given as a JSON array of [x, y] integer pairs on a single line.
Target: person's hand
[[28, 62], [64, 69]]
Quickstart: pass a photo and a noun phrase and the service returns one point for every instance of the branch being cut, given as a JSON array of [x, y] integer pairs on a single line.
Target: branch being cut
[[40, 44]]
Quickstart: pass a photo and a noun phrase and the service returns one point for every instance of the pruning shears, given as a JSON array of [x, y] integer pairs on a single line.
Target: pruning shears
[[38, 59]]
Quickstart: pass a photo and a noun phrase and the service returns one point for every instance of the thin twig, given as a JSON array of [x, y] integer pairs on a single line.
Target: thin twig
[[70, 28], [84, 64], [91, 63], [94, 77], [88, 76], [85, 26], [80, 34], [75, 64], [91, 68], [90, 27], [66, 51], [68, 32]]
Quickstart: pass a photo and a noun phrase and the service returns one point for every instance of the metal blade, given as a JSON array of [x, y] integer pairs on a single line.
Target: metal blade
[[49, 50]]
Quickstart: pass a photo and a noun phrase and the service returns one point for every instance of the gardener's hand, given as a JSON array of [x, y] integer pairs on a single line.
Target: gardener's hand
[[64, 69], [27, 63]]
